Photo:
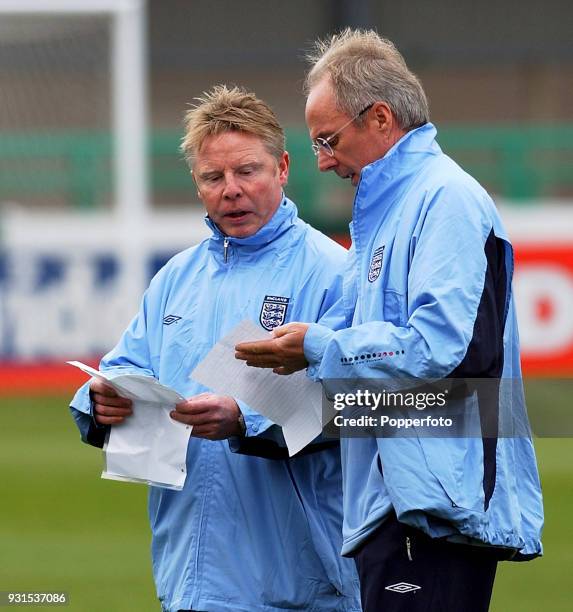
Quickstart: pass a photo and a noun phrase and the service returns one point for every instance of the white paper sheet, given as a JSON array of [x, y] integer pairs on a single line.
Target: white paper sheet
[[294, 402], [149, 446]]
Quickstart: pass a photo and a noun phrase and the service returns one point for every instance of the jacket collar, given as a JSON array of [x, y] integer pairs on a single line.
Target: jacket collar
[[384, 181], [400, 162], [279, 223]]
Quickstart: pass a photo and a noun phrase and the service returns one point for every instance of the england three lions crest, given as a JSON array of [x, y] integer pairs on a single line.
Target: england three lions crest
[[376, 264], [273, 312]]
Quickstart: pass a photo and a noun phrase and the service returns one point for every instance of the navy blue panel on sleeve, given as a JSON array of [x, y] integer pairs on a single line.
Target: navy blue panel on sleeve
[[484, 357], [90, 432], [269, 449]]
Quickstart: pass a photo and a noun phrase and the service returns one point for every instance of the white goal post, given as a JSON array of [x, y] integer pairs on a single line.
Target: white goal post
[[98, 245], [129, 93]]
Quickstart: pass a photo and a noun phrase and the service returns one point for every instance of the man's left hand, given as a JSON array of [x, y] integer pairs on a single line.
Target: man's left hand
[[214, 417]]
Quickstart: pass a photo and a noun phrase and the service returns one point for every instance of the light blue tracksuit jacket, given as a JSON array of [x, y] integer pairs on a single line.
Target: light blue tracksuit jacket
[[427, 294], [246, 533]]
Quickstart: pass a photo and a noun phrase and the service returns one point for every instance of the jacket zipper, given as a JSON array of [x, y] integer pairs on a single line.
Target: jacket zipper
[[207, 492], [409, 548]]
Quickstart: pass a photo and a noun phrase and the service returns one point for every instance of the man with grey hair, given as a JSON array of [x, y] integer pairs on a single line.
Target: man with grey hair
[[257, 530], [427, 295]]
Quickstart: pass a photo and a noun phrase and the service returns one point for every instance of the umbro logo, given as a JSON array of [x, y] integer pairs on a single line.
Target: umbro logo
[[403, 587], [169, 319]]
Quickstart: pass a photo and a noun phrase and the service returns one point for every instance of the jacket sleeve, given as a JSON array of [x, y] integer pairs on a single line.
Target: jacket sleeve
[[454, 283], [332, 313]]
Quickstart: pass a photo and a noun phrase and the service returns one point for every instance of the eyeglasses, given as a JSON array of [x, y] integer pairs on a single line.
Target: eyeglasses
[[325, 145]]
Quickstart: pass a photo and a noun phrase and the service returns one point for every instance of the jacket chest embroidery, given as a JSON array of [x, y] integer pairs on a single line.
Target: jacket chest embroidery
[[376, 264], [273, 311]]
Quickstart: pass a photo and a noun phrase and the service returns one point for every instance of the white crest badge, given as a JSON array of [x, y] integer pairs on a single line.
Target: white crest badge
[[273, 312], [376, 264]]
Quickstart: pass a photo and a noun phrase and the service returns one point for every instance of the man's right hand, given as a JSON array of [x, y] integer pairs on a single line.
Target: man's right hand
[[109, 407]]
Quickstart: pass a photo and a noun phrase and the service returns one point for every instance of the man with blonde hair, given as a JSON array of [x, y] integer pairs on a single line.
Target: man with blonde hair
[[427, 296], [246, 533]]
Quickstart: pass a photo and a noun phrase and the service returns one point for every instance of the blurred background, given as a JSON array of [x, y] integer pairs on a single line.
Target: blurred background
[[95, 197]]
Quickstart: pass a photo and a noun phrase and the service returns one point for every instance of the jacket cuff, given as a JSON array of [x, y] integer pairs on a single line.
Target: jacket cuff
[[263, 438], [255, 423], [81, 407], [82, 401], [315, 341]]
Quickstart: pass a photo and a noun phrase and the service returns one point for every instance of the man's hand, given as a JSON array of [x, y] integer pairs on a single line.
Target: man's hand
[[214, 417], [284, 352], [109, 407]]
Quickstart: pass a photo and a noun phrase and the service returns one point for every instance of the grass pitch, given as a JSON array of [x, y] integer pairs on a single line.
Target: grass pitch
[[62, 528]]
